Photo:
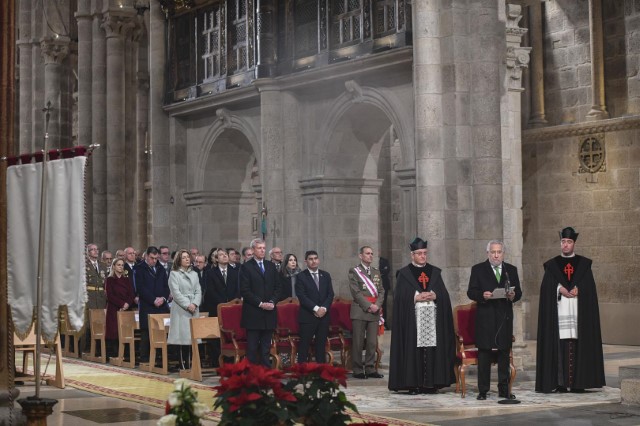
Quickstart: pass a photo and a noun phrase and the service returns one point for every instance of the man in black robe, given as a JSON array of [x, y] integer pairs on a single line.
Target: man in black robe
[[570, 350], [494, 317], [412, 368]]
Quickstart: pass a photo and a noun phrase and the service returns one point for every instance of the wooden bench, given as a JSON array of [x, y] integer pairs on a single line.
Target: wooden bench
[[157, 342], [97, 321], [201, 328], [127, 326], [70, 335], [28, 347]]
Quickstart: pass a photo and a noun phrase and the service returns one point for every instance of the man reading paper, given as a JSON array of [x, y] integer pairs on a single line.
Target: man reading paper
[[494, 318]]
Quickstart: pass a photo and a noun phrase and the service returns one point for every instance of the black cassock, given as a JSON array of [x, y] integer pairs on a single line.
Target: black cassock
[[411, 367], [588, 368]]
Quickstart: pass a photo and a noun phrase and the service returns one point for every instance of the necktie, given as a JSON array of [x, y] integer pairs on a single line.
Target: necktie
[[368, 271], [316, 279], [224, 276], [497, 268], [261, 266], [153, 268]]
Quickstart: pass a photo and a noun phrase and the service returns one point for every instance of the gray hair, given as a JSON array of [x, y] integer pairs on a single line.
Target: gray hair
[[256, 241], [504, 248]]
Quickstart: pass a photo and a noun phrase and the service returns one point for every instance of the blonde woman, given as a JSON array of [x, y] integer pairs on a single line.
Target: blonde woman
[[185, 289]]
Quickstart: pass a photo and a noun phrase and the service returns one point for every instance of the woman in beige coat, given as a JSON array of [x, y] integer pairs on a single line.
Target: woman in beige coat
[[187, 295]]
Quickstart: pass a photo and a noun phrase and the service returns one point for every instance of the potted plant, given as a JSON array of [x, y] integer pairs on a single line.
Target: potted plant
[[182, 407]]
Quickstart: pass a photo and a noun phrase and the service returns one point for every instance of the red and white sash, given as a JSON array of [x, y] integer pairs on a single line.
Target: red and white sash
[[367, 281]]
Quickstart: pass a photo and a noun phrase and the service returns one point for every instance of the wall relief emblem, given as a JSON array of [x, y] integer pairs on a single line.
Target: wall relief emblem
[[592, 154]]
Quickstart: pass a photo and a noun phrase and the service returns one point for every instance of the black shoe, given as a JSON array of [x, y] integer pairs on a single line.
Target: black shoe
[[561, 389], [414, 392], [506, 396], [576, 390], [481, 396], [375, 375], [359, 376]]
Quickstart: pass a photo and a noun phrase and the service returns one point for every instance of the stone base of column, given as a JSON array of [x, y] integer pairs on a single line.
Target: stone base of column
[[37, 409], [597, 114], [536, 122]]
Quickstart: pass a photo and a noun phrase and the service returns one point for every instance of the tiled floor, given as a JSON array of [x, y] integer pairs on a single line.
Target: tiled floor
[[371, 396]]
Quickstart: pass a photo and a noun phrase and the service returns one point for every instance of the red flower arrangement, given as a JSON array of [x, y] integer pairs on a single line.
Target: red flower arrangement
[[310, 393]]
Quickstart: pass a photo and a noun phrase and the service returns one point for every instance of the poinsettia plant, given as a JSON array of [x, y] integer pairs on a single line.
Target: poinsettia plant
[[309, 393], [319, 400], [251, 394], [182, 407]]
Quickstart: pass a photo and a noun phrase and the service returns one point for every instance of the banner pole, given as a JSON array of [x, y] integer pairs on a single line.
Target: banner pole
[[43, 213]]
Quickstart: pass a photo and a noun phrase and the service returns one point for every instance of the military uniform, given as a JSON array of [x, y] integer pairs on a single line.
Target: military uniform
[[365, 324]]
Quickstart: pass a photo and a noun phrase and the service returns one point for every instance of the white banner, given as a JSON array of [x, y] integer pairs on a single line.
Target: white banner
[[64, 270]]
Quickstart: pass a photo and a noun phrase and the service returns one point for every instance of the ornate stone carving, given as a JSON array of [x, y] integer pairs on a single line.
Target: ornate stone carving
[[354, 90], [118, 24], [581, 129], [54, 50], [517, 58], [592, 154], [224, 115]]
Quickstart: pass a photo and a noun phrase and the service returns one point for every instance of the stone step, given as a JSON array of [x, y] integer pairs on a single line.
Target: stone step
[[629, 372], [630, 391]]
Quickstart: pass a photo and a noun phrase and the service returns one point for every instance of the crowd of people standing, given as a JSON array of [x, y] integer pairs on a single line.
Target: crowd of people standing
[[423, 342]]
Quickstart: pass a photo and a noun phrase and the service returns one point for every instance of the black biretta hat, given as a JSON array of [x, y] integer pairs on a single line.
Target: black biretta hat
[[418, 244], [569, 232]]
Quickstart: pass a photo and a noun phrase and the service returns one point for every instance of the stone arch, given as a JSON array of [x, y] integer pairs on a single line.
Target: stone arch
[[225, 121], [386, 101]]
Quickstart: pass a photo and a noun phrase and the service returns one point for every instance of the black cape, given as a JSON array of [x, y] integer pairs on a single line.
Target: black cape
[[406, 366], [589, 369]]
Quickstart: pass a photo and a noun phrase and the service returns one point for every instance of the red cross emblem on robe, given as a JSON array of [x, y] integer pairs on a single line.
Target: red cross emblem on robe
[[423, 279], [568, 271]]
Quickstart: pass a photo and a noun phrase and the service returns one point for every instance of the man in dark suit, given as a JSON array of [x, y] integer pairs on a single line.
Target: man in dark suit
[[260, 289], [315, 293], [153, 289], [494, 318]]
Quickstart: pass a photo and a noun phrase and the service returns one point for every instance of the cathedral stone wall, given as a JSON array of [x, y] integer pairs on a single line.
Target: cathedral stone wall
[[604, 207]]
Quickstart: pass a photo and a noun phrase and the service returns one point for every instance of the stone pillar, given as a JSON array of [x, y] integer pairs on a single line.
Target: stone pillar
[[54, 50], [517, 58], [267, 41], [271, 156], [537, 116], [117, 23], [598, 107], [25, 46], [427, 83], [98, 129], [142, 138], [160, 215]]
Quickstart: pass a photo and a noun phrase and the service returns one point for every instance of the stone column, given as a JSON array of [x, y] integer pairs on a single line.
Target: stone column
[[117, 23], [54, 50], [598, 107], [271, 156], [25, 46], [427, 83], [517, 58], [266, 28], [159, 135], [537, 116], [142, 137], [98, 129]]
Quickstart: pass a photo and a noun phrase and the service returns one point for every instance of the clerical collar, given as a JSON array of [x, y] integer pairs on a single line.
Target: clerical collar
[[418, 266], [572, 255]]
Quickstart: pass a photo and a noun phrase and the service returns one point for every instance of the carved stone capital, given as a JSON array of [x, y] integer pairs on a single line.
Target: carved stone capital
[[517, 58], [118, 22], [54, 50], [354, 90], [224, 115]]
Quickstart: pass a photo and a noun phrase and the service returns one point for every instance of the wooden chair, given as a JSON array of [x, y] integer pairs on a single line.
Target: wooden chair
[[157, 342], [28, 347], [201, 328], [464, 323], [70, 336], [287, 334], [233, 338], [127, 325], [97, 321]]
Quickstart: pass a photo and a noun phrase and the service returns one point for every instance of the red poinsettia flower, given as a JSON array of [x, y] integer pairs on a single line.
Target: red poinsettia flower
[[335, 374], [242, 399], [167, 408], [284, 395]]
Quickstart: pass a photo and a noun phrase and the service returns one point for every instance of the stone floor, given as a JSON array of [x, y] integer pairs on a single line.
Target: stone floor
[[601, 407]]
